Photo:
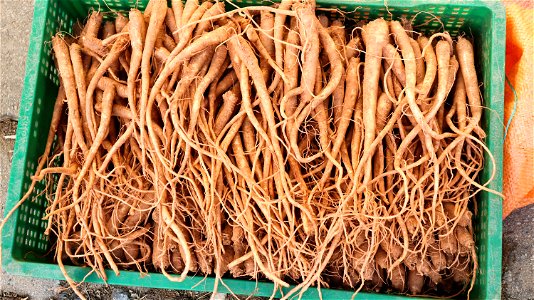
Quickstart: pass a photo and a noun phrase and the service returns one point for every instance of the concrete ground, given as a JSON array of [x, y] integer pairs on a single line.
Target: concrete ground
[[15, 25]]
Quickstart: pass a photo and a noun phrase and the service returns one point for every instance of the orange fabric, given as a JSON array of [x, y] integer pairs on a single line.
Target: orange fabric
[[518, 173]]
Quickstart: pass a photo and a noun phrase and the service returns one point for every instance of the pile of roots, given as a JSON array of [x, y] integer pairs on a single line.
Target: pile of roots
[[266, 142]]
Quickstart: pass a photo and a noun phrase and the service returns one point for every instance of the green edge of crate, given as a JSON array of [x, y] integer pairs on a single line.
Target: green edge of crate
[[25, 247]]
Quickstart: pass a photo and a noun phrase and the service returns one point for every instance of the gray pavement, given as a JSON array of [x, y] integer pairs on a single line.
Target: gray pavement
[[518, 254], [15, 25]]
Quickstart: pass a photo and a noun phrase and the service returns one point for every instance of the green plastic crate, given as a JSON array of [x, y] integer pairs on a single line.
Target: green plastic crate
[[26, 248]]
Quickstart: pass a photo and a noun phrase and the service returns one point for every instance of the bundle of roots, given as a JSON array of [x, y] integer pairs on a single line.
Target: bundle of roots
[[266, 142]]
